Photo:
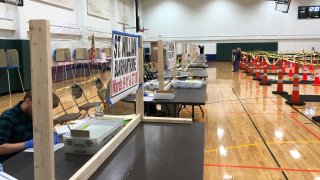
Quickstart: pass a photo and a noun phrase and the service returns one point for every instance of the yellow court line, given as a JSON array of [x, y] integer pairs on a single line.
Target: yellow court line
[[258, 144]]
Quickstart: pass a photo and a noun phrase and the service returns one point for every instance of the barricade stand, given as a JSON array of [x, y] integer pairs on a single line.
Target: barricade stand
[[295, 98], [280, 80], [265, 81]]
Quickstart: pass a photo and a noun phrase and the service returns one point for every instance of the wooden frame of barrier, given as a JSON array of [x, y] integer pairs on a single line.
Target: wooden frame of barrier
[[42, 109]]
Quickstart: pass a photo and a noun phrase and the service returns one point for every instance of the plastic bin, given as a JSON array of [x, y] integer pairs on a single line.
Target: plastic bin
[[101, 131]]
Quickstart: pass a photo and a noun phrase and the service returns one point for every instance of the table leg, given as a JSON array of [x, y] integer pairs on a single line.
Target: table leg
[[174, 110], [201, 111], [193, 113]]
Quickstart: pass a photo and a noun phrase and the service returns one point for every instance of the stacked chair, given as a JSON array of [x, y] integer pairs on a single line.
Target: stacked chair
[[9, 61]]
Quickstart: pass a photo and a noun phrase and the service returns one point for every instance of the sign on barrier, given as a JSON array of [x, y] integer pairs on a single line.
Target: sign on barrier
[[124, 64], [170, 54]]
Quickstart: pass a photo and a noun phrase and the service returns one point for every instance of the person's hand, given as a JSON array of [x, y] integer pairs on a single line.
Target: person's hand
[[56, 139], [28, 144]]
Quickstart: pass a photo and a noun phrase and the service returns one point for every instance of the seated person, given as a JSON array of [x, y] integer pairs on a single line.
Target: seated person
[[16, 131]]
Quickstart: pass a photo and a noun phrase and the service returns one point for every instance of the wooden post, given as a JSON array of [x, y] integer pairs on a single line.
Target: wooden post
[[139, 95], [41, 84], [175, 58], [160, 65], [183, 58]]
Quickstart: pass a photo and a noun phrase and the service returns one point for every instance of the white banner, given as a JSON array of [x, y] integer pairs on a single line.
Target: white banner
[[171, 56], [124, 64]]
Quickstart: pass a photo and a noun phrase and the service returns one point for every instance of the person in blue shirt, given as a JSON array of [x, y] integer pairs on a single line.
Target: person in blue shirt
[[16, 133]]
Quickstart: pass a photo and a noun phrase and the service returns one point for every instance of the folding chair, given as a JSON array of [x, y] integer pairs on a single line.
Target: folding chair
[[66, 117], [10, 61], [13, 63], [103, 93], [3, 65], [77, 93]]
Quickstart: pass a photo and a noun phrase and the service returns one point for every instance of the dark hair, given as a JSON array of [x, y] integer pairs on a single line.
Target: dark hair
[[28, 95]]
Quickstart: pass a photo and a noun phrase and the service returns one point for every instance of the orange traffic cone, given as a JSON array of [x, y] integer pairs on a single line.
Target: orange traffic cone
[[311, 67], [257, 69], [246, 70], [252, 66], [265, 81], [295, 97], [283, 67], [304, 76], [280, 80], [290, 72], [316, 79], [273, 66]]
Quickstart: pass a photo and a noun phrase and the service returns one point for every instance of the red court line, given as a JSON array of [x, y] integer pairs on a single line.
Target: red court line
[[261, 167], [305, 127]]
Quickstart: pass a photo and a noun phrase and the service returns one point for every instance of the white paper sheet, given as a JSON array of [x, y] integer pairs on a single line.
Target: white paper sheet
[[55, 148]]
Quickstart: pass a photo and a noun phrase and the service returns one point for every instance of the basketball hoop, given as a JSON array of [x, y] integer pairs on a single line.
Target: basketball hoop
[[283, 5], [11, 6]]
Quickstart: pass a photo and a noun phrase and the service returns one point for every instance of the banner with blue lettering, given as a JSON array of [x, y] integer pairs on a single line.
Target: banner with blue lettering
[[124, 65]]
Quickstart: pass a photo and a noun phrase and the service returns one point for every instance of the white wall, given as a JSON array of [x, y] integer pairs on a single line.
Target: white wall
[[212, 21], [69, 28]]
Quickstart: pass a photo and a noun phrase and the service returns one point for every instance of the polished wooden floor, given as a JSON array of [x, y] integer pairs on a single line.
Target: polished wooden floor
[[250, 133]]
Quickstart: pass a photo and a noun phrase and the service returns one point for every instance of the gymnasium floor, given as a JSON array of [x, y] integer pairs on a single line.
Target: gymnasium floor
[[253, 134], [250, 133]]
